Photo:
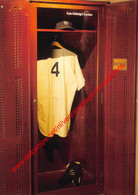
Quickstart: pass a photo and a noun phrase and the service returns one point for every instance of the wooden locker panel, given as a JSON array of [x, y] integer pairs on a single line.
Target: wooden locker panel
[[77, 2], [14, 97], [120, 100]]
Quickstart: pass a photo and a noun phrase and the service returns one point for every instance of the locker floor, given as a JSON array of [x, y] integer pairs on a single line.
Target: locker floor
[[48, 180]]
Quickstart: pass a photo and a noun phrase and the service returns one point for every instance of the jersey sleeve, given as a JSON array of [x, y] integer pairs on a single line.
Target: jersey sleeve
[[78, 74]]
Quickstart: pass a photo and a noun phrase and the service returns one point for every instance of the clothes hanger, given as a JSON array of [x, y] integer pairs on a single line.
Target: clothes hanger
[[55, 43]]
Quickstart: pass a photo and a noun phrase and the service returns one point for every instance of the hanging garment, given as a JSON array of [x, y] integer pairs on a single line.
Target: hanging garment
[[58, 78]]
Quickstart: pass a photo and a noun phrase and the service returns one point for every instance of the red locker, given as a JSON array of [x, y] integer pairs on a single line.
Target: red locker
[[102, 134], [15, 126], [120, 100]]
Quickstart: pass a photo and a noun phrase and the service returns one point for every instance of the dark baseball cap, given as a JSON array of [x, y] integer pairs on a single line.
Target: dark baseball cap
[[64, 25], [73, 173]]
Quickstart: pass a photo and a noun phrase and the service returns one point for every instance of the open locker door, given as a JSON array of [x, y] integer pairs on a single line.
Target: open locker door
[[14, 97], [120, 99]]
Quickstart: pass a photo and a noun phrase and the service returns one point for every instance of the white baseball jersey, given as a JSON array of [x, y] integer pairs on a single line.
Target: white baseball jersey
[[58, 78]]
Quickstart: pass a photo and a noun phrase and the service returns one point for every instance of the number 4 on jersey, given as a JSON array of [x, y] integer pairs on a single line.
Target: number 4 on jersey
[[56, 69]]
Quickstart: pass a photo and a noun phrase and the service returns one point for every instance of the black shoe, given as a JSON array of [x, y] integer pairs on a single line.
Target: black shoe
[[73, 174]]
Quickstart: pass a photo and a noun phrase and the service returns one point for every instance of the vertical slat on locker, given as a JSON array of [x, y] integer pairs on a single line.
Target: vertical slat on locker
[[120, 100], [14, 97], [33, 60]]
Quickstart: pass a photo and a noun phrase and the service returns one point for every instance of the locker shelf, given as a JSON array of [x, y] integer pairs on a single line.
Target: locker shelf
[[76, 31]]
